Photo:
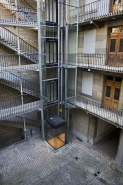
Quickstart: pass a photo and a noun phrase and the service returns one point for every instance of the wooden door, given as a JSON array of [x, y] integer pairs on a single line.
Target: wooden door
[[113, 43], [115, 98], [115, 57], [112, 94]]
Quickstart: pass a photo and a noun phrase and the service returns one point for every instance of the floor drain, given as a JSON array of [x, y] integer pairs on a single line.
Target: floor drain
[[95, 175], [76, 158]]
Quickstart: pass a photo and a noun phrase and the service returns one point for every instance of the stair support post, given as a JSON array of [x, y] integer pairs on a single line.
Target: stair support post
[[21, 87]]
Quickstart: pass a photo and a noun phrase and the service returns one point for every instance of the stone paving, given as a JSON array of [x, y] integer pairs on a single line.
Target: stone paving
[[32, 162]]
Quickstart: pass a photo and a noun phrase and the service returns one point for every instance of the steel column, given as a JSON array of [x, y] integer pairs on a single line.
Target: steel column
[[58, 57], [39, 9], [66, 57]]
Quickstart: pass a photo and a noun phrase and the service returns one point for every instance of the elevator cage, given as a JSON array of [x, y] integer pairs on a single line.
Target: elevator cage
[[56, 132]]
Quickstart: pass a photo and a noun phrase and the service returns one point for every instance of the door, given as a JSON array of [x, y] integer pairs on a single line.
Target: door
[[115, 57], [112, 93], [117, 5]]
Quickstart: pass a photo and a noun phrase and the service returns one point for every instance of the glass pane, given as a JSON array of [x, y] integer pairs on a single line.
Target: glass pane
[[108, 91], [121, 45], [51, 18], [117, 94], [55, 91], [121, 29], [116, 2], [54, 11], [110, 78], [47, 52], [51, 91], [51, 52], [114, 30], [48, 92], [113, 43], [117, 79], [54, 51]]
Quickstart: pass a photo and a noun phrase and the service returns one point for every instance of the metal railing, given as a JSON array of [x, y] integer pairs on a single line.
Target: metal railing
[[107, 62], [99, 9], [18, 122], [10, 63], [25, 4], [12, 79], [95, 108], [11, 40], [13, 14], [16, 101], [18, 105]]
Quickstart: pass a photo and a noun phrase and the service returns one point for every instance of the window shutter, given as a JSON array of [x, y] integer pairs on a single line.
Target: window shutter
[[87, 83], [89, 41]]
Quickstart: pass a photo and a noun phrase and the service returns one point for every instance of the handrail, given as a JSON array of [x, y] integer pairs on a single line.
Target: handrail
[[19, 37], [97, 109]]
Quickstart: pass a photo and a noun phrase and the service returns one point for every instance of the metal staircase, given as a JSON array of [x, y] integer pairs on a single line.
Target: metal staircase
[[18, 105], [13, 80], [10, 40], [10, 63], [18, 14], [17, 122]]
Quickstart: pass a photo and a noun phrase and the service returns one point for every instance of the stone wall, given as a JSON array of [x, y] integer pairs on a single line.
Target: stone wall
[[101, 45], [28, 35], [80, 120]]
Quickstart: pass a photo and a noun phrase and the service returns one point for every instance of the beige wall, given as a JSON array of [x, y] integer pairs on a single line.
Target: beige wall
[[80, 122], [100, 42]]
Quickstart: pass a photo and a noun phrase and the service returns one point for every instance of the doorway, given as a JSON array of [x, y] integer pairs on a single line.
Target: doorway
[[112, 93], [115, 58]]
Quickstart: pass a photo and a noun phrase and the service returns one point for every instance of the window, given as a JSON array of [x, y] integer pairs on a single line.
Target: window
[[87, 83], [108, 91], [51, 8], [52, 91], [117, 94], [51, 52], [113, 44]]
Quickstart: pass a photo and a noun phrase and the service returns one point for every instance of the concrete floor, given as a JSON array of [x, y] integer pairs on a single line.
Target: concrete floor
[[33, 163], [109, 144]]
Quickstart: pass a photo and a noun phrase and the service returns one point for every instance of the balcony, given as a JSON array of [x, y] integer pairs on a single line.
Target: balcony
[[97, 110], [99, 11], [105, 62]]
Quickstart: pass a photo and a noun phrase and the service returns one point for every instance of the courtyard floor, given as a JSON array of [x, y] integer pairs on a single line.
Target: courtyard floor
[[32, 162]]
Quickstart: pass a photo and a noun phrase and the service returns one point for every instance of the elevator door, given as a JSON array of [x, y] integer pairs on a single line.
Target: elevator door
[[112, 94]]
